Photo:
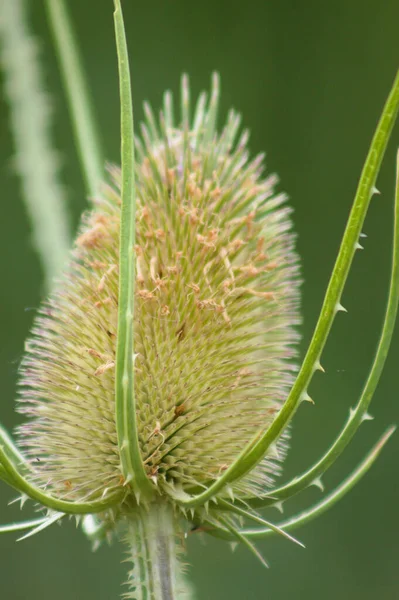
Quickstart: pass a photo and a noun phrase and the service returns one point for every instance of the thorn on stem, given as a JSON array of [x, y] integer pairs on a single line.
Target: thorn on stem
[[340, 308], [318, 483]]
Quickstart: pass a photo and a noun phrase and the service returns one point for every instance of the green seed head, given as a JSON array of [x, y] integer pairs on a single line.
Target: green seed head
[[160, 373], [216, 305]]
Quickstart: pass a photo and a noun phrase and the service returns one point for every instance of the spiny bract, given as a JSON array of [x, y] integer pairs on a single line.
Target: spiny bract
[[216, 305]]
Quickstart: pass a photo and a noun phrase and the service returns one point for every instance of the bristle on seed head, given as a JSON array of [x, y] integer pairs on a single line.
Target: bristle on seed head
[[216, 310]]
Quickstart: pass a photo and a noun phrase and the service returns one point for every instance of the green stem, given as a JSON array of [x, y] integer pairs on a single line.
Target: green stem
[[152, 538], [36, 158], [79, 102]]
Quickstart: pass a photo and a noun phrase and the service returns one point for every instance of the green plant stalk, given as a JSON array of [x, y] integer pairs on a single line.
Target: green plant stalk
[[78, 97], [153, 550], [259, 445], [36, 159], [126, 420]]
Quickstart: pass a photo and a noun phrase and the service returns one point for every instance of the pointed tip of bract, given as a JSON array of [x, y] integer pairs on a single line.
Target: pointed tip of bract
[[215, 81]]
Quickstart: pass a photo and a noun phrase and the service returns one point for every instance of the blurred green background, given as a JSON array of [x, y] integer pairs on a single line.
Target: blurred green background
[[310, 79]]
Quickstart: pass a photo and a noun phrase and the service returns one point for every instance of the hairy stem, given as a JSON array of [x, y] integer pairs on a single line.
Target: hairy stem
[[36, 159], [156, 572]]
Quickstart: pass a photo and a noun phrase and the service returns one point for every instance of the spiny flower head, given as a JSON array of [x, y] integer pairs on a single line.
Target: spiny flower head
[[216, 309], [158, 381]]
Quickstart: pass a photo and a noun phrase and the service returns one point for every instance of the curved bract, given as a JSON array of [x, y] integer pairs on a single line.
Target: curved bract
[[257, 447], [125, 404], [358, 414], [230, 534]]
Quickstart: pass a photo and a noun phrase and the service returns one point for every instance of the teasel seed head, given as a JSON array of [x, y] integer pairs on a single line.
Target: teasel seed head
[[215, 322]]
